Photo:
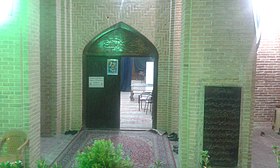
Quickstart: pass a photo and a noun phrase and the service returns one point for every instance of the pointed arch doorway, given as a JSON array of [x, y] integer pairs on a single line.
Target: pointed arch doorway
[[102, 59]]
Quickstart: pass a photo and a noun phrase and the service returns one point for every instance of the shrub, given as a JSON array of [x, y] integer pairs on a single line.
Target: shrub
[[205, 159], [43, 164], [17, 164], [157, 164], [276, 152], [103, 154]]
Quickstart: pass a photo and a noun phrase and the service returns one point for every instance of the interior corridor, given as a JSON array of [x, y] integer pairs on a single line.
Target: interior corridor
[[131, 117]]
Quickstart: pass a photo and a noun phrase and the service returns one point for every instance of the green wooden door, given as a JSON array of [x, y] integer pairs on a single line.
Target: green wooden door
[[102, 92]]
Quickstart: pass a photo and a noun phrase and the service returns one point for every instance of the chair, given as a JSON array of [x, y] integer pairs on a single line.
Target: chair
[[12, 145], [143, 98], [148, 103]]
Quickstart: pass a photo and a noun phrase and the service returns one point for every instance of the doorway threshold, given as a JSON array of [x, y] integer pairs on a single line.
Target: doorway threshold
[[134, 129]]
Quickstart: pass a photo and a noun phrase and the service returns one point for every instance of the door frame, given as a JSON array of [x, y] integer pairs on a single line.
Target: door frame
[[141, 47]]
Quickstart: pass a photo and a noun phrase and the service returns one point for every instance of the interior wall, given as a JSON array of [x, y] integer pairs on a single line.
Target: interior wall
[[219, 50]]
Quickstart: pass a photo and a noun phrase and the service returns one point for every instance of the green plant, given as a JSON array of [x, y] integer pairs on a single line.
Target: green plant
[[43, 164], [103, 154], [56, 166], [157, 164], [205, 162], [16, 164], [276, 152]]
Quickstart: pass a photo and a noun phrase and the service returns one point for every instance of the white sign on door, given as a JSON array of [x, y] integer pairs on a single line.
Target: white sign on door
[[96, 82]]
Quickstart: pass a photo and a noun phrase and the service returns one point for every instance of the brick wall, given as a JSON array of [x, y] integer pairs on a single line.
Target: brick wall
[[218, 50], [174, 64], [20, 74], [64, 66], [56, 66], [67, 70], [12, 90], [267, 89], [48, 66], [59, 22], [163, 40], [33, 64]]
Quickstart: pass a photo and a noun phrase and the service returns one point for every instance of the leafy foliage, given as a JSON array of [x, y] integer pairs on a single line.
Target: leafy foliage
[[157, 164], [276, 152], [17, 164], [43, 164], [205, 162], [103, 154]]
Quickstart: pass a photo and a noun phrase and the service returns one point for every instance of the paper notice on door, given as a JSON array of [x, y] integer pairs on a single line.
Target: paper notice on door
[[96, 82]]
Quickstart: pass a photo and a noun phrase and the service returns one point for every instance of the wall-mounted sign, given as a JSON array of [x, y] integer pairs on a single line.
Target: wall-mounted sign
[[96, 82], [112, 66]]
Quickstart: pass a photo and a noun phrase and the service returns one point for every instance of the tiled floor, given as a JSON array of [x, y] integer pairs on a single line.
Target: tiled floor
[[263, 140], [51, 147], [131, 117]]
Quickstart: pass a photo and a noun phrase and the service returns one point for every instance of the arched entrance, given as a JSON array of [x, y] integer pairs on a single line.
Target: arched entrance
[[101, 74]]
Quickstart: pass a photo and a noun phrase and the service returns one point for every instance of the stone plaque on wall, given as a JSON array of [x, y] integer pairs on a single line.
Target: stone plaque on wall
[[221, 125]]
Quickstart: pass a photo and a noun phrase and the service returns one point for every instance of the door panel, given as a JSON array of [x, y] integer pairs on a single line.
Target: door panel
[[102, 103]]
